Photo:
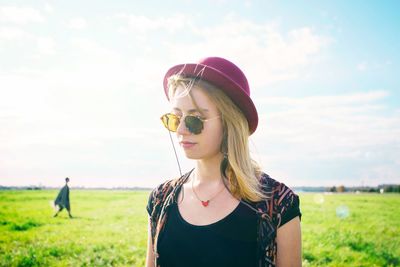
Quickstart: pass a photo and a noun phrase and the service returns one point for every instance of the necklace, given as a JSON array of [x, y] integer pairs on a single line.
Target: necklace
[[205, 203]]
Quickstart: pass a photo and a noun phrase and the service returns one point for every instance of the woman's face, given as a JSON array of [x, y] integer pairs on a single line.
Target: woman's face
[[205, 145]]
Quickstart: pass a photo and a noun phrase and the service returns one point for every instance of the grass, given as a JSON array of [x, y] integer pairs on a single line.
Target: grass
[[366, 235], [110, 229]]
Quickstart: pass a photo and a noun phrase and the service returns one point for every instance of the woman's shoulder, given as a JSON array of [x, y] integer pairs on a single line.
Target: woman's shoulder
[[163, 188], [158, 195], [161, 191], [283, 202], [271, 185], [168, 184]]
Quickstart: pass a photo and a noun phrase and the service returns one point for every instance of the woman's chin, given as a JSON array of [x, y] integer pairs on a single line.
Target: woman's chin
[[191, 156]]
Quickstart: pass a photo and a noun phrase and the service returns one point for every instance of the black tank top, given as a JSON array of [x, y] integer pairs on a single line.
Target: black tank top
[[232, 241]]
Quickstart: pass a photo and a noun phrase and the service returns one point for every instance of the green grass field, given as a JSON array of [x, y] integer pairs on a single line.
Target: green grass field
[[110, 229]]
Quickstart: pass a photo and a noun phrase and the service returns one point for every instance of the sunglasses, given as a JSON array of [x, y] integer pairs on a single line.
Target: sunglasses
[[194, 124]]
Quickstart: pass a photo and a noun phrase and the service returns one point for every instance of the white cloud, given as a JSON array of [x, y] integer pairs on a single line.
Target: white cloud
[[96, 96], [76, 118], [13, 34], [265, 53], [98, 88], [26, 45], [143, 25], [371, 66], [327, 100], [381, 174], [327, 140], [20, 15], [362, 66], [77, 23], [92, 48], [46, 45], [48, 8], [353, 126], [248, 3], [87, 112]]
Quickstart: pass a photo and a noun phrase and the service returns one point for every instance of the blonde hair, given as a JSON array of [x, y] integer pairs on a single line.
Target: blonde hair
[[241, 171]]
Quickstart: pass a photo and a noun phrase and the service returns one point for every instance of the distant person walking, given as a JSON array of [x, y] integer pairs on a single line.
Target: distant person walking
[[62, 200]]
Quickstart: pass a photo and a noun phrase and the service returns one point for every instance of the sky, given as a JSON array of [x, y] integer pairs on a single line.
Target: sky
[[81, 88]]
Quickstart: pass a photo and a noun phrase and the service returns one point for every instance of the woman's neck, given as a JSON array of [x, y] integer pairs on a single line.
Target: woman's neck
[[208, 170]]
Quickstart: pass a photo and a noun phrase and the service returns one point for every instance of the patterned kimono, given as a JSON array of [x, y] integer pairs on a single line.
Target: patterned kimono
[[281, 203]]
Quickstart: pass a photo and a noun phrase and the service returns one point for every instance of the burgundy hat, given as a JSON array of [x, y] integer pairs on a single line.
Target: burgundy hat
[[226, 76]]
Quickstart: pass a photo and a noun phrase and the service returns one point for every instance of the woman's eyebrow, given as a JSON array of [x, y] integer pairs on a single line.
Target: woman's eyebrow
[[192, 110]]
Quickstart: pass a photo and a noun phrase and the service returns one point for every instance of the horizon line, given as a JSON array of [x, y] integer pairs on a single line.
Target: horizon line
[[150, 188]]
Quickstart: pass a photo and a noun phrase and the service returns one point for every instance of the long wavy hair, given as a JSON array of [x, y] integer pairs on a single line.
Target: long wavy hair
[[241, 171]]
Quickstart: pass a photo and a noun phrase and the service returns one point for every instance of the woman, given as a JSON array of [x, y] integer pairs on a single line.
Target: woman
[[224, 212]]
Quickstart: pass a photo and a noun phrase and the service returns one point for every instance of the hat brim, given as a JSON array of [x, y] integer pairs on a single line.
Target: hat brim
[[219, 79]]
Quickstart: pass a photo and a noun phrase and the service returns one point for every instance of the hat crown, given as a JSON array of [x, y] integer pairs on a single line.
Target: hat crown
[[229, 70]]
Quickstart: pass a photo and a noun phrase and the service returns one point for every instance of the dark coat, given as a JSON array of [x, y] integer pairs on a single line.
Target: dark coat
[[62, 199]]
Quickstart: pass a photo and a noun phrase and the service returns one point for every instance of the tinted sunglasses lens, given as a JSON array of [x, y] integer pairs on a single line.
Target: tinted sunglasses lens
[[194, 124], [170, 121]]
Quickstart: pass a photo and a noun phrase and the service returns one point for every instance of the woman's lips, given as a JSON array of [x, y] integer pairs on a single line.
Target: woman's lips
[[185, 144]]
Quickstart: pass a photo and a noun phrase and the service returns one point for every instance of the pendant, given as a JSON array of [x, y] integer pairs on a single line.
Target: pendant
[[205, 203]]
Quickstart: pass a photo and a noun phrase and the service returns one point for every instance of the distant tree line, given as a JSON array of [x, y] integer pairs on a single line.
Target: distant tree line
[[391, 188], [34, 187], [385, 188]]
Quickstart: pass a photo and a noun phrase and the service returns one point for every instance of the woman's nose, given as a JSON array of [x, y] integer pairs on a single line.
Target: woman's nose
[[182, 129]]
